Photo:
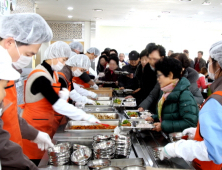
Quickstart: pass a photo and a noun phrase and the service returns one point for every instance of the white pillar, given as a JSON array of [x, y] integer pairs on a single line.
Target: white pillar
[[87, 35]]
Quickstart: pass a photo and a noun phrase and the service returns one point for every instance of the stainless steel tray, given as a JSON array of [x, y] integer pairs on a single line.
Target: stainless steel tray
[[134, 125], [129, 104], [115, 116], [116, 104], [134, 118], [105, 82], [85, 123], [90, 109], [108, 103], [104, 98], [122, 72]]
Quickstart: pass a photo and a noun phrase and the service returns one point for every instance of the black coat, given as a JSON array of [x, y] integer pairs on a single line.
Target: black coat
[[127, 82]]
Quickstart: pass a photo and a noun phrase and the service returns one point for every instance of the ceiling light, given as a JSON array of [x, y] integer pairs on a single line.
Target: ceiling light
[[200, 13], [166, 12], [70, 8], [98, 10], [70, 16], [206, 3], [186, 0]]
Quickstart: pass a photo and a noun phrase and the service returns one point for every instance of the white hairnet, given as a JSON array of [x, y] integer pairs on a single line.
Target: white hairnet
[[76, 46], [57, 50], [79, 60], [94, 50], [29, 28], [216, 52]]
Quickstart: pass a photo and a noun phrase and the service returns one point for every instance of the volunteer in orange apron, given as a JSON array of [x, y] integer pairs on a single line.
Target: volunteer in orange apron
[[84, 80], [42, 100], [205, 150], [19, 41]]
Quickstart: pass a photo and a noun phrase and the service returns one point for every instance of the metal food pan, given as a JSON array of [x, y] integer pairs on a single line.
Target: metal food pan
[[101, 116], [104, 98], [136, 123], [126, 128], [126, 111], [108, 103], [90, 109], [129, 104], [85, 123], [116, 104]]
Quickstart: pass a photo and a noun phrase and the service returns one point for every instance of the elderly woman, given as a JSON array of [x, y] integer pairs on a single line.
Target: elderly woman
[[205, 150], [177, 108], [109, 72]]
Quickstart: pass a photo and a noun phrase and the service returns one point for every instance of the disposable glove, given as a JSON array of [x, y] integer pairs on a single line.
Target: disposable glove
[[43, 141]]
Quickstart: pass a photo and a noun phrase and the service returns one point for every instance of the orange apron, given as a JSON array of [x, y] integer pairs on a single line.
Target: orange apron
[[10, 116], [205, 165], [79, 81], [40, 115]]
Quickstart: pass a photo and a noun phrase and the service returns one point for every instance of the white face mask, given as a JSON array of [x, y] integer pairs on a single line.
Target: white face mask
[[212, 75], [22, 62], [77, 73], [59, 66]]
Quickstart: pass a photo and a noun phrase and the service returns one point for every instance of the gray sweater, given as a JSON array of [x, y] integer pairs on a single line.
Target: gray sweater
[[191, 75]]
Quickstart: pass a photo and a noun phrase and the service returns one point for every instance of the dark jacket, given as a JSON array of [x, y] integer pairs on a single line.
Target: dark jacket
[[202, 63], [110, 77], [190, 74], [179, 110], [127, 82], [191, 63]]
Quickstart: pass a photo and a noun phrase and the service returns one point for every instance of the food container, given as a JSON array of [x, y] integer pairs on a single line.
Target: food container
[[104, 145], [99, 163], [118, 91], [122, 72], [111, 168], [106, 116], [119, 104], [81, 156], [133, 117], [129, 104], [134, 167], [100, 138], [85, 123], [90, 109], [103, 103], [128, 91], [104, 98], [145, 114], [143, 125], [176, 136]]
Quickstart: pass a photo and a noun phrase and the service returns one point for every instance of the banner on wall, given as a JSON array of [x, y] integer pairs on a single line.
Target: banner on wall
[[4, 7]]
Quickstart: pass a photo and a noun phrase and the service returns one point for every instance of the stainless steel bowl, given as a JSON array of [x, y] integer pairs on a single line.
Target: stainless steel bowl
[[99, 163], [120, 137], [62, 147], [104, 145], [111, 168], [134, 167], [156, 152], [58, 163], [77, 146], [176, 136], [104, 156], [81, 156], [111, 150], [99, 138], [61, 154], [119, 91]]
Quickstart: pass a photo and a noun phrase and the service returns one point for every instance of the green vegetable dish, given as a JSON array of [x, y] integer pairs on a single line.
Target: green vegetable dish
[[118, 101], [126, 123], [132, 114]]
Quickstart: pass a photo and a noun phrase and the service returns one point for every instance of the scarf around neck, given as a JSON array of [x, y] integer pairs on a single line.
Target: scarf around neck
[[166, 91]]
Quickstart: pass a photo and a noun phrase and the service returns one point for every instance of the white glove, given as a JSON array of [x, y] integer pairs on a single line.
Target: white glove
[[95, 86], [190, 132], [168, 151], [64, 94], [94, 95], [89, 101], [43, 141], [90, 118]]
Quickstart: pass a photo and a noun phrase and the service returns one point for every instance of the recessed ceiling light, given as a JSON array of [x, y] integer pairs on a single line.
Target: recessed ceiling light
[[166, 12], [200, 13], [206, 3], [70, 16], [98, 10], [70, 8], [186, 0]]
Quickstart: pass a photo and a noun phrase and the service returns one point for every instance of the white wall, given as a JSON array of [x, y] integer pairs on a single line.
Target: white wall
[[177, 37]]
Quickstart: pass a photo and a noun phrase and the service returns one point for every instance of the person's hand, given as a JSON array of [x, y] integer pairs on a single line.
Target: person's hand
[[149, 119], [141, 109], [121, 88], [94, 95], [127, 97], [43, 141], [135, 91], [95, 87], [190, 132], [168, 152], [157, 127], [117, 83], [89, 101], [64, 94], [131, 76], [91, 119]]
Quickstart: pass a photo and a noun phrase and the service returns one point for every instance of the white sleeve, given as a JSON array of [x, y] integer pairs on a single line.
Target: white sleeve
[[82, 91], [64, 108], [191, 149], [75, 96]]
